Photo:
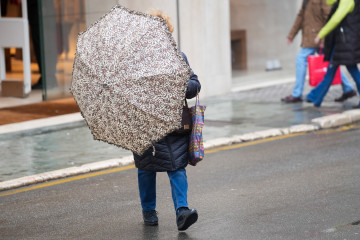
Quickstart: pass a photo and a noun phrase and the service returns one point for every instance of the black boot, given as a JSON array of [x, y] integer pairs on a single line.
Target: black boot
[[185, 217], [150, 218]]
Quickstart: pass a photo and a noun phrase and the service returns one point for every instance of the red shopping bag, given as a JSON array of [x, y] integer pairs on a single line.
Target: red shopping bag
[[318, 68]]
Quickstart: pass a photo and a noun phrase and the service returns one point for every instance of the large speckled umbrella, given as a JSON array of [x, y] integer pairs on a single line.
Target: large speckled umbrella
[[129, 79]]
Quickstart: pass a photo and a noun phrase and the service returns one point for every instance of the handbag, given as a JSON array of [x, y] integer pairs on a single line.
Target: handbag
[[186, 120], [318, 68], [196, 146]]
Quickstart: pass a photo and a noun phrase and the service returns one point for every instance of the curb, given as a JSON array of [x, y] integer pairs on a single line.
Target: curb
[[66, 172], [326, 122], [39, 126]]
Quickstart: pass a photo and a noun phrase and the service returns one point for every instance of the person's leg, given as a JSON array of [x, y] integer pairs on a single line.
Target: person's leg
[[345, 83], [348, 89], [354, 71], [301, 67], [185, 217], [179, 188], [147, 189], [317, 94]]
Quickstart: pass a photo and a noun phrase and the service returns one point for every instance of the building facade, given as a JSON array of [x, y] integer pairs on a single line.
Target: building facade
[[218, 36]]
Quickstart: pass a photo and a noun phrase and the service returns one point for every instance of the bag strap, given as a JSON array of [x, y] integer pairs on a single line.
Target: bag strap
[[319, 51], [197, 102]]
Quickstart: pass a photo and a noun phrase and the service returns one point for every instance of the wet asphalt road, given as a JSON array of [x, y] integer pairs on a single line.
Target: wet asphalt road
[[302, 187]]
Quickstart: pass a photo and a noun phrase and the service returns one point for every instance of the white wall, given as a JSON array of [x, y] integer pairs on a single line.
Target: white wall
[[204, 35], [205, 27], [95, 9], [205, 38], [267, 24]]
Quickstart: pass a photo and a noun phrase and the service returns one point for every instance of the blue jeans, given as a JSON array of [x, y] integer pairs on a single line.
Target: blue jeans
[[317, 94], [301, 67], [147, 188]]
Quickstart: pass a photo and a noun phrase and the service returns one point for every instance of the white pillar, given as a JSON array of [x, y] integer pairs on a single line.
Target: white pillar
[[205, 39], [26, 50], [15, 33]]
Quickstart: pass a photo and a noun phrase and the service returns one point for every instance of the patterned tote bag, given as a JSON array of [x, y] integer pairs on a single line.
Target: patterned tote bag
[[196, 147]]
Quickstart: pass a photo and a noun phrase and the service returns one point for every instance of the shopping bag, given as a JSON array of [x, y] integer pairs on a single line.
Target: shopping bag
[[318, 68], [196, 146]]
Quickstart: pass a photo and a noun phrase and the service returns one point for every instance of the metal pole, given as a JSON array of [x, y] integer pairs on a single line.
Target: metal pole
[[178, 22], [24, 9], [42, 49]]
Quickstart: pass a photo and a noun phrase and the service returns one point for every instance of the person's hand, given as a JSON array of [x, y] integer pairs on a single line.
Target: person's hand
[[289, 41], [317, 40]]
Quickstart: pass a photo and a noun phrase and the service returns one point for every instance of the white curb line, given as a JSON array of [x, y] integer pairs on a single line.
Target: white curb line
[[50, 123], [325, 122], [66, 172]]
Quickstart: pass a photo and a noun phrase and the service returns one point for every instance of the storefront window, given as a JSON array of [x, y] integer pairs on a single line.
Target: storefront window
[[60, 23]]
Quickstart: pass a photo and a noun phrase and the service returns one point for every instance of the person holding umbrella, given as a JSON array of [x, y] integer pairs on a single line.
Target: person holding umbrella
[[130, 83], [170, 155]]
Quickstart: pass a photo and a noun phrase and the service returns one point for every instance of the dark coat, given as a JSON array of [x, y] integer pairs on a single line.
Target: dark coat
[[171, 152], [345, 38]]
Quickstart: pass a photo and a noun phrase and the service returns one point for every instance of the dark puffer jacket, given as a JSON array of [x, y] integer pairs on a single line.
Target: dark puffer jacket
[[345, 38], [171, 152]]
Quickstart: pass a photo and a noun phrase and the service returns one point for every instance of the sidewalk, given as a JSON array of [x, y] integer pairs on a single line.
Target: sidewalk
[[39, 110], [60, 146]]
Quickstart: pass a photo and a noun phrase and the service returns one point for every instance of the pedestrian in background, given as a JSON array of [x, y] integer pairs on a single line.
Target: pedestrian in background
[[310, 19], [170, 155], [342, 45]]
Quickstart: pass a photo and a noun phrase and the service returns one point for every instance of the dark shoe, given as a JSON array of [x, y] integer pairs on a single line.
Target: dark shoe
[[150, 218], [312, 101], [345, 96], [185, 217], [356, 106], [291, 99]]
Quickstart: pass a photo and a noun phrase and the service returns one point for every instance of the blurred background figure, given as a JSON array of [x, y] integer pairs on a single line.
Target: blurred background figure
[[310, 19], [342, 45]]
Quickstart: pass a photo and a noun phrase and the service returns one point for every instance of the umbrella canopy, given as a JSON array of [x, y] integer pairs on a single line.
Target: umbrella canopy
[[129, 79]]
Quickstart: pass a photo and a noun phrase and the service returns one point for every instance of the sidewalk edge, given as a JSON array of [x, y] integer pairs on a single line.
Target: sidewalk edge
[[42, 125]]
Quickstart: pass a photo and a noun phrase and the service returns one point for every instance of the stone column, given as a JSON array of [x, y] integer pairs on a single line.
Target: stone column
[[205, 39]]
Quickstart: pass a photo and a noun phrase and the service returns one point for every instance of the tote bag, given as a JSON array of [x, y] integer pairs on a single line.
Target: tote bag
[[318, 68], [196, 146]]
